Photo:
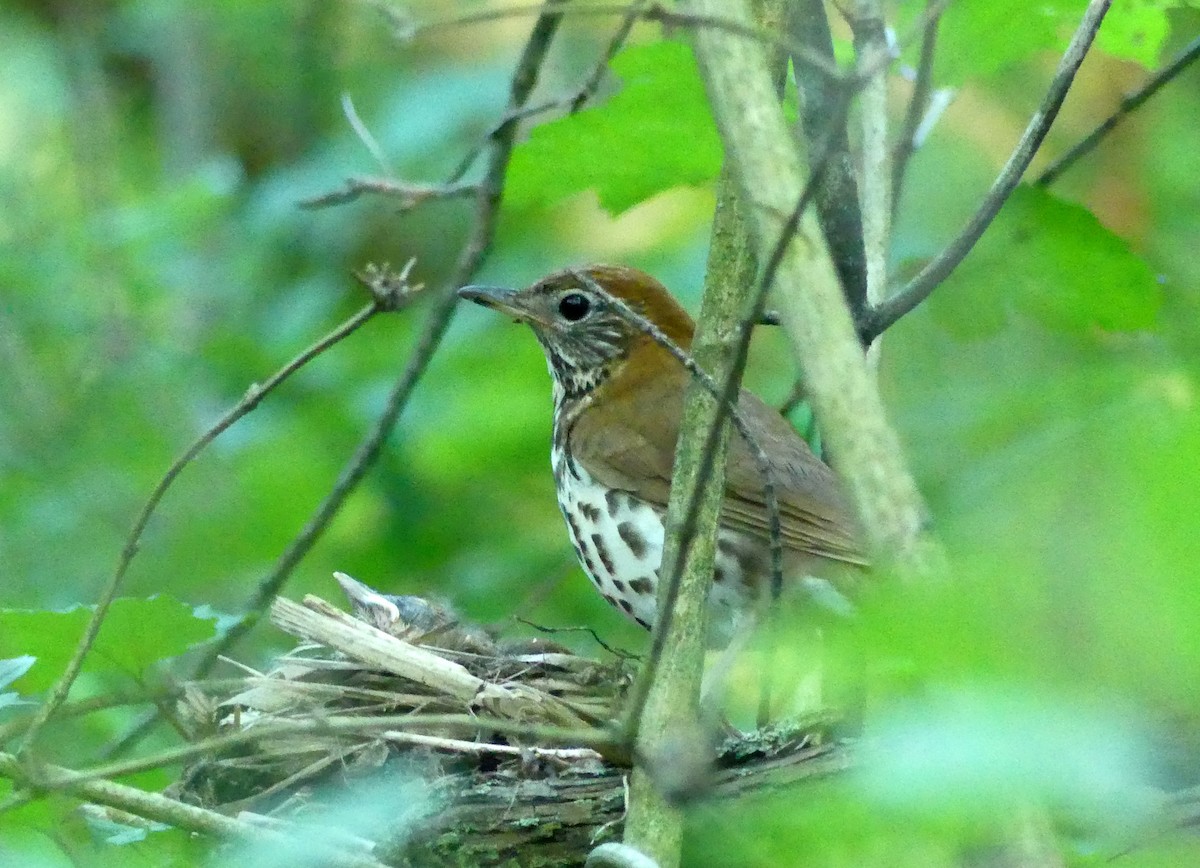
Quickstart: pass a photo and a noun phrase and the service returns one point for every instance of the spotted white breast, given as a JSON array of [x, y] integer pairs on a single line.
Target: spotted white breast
[[618, 539]]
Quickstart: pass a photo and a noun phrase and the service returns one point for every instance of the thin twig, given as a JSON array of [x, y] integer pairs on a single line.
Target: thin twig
[[572, 104], [918, 289], [410, 193], [619, 37], [154, 806], [487, 202], [364, 134], [461, 745], [918, 103], [619, 653], [1127, 106], [655, 12], [255, 394], [104, 702]]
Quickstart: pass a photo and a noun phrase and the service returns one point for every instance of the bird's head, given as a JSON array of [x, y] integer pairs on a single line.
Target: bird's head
[[578, 318]]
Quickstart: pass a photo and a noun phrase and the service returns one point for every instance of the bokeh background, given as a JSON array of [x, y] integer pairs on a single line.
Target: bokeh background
[[154, 263]]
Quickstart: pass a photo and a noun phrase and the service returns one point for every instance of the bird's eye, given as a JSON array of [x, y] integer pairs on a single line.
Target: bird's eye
[[574, 307]]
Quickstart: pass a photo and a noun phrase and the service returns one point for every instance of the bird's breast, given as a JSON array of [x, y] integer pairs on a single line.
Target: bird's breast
[[617, 538]]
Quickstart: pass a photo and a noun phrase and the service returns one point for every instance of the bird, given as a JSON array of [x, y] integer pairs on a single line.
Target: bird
[[618, 402]]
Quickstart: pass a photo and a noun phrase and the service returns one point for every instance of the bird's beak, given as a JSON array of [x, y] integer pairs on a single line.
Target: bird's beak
[[497, 298]]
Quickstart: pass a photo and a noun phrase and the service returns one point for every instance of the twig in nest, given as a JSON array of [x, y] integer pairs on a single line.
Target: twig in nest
[[458, 745], [542, 628]]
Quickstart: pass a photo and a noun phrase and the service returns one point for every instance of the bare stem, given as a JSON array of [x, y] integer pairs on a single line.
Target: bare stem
[[932, 275], [837, 201], [1128, 105], [918, 103], [487, 204], [254, 395], [870, 42]]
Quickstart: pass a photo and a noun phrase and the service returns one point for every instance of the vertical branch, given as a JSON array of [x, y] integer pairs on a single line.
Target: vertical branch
[[918, 103], [871, 47], [812, 309], [837, 198], [668, 722]]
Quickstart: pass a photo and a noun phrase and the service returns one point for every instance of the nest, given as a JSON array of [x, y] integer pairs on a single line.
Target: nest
[[509, 740]]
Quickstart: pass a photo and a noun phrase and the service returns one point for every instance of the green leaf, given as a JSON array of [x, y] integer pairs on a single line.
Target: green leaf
[[654, 134], [10, 671], [136, 634], [1135, 30], [1054, 262], [978, 38]]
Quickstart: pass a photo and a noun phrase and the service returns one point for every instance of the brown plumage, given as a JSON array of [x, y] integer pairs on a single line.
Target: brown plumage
[[618, 405]]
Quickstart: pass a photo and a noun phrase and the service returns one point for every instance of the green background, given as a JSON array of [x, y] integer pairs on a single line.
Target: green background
[[154, 264]]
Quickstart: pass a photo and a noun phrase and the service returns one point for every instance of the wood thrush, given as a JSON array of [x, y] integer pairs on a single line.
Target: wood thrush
[[618, 401]]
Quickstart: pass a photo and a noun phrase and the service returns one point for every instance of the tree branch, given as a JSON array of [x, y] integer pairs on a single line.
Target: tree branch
[[382, 301], [865, 449], [487, 204], [670, 714], [872, 62], [1128, 105], [173, 812], [918, 289], [838, 208], [918, 103]]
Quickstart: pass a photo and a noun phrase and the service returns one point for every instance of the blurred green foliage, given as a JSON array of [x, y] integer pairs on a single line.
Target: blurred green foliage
[[154, 264], [669, 148], [138, 634]]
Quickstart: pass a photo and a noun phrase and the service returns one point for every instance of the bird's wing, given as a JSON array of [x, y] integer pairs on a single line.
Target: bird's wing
[[625, 449], [813, 514], [635, 451]]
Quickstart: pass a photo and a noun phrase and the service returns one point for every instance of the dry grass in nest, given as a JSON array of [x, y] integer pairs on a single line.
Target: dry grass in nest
[[509, 740]]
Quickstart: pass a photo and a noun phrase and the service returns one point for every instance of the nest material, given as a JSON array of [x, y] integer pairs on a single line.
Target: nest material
[[487, 725]]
